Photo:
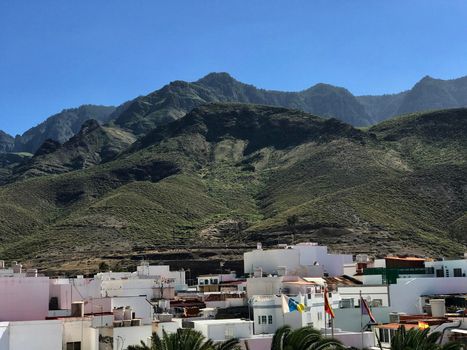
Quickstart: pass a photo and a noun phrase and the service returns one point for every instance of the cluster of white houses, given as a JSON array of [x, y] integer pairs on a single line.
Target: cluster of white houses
[[114, 310]]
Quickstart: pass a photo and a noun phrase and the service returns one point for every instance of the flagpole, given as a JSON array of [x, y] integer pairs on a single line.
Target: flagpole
[[325, 320], [361, 315], [332, 328]]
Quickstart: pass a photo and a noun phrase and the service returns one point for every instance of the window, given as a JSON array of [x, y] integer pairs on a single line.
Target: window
[[320, 316], [270, 319], [229, 332], [377, 302], [346, 303], [457, 272], [384, 335], [259, 319], [206, 282], [263, 319], [439, 273], [73, 345]]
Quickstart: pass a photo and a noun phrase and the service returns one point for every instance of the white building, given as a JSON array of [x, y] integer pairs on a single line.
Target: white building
[[375, 295], [406, 294], [69, 333], [304, 259], [268, 315], [221, 330]]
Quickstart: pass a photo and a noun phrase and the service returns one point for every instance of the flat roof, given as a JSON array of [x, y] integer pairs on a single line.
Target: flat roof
[[223, 321], [408, 258]]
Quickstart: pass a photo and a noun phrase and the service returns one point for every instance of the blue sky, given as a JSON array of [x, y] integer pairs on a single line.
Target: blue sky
[[56, 54]]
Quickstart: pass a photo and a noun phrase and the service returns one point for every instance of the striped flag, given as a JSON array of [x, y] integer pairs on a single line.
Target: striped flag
[[365, 309], [327, 306]]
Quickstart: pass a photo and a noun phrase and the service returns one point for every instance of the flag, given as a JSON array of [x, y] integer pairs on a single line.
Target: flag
[[327, 305], [365, 310], [423, 325], [289, 305]]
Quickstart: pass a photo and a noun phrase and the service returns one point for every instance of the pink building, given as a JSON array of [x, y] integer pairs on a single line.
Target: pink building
[[24, 298]]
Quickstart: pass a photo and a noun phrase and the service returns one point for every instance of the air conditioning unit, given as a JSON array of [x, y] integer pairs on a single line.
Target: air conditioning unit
[[394, 317]]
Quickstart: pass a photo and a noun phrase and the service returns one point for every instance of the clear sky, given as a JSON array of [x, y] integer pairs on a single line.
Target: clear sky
[[56, 54]]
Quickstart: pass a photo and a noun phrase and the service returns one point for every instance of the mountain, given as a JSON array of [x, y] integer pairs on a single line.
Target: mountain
[[229, 175], [174, 100], [382, 107], [178, 98], [6, 142], [427, 94], [431, 93], [94, 144], [60, 127]]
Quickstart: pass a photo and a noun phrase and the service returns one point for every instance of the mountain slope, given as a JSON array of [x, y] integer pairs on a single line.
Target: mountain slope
[[231, 173], [178, 98], [92, 145], [60, 127], [382, 107], [6, 142]]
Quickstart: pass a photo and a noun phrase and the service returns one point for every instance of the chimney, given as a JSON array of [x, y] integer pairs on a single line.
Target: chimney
[[17, 268], [258, 272]]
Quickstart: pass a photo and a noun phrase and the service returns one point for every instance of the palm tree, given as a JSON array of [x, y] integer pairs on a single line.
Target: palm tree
[[305, 338], [416, 339], [185, 339]]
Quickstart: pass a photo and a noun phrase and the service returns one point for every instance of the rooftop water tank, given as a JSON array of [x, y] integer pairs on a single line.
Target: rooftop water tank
[[438, 307]]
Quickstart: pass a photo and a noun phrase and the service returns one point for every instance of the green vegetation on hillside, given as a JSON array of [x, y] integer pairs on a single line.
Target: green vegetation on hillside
[[232, 173]]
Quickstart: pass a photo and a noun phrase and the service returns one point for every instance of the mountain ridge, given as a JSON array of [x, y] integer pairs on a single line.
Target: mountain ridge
[[177, 98], [6, 142], [60, 127]]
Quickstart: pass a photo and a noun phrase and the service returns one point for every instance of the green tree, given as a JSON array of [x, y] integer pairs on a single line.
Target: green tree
[[292, 222], [305, 338], [185, 339], [104, 267], [416, 339]]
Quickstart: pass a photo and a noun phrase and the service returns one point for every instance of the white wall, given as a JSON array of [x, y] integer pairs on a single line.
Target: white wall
[[168, 327], [139, 305], [354, 339], [404, 295], [218, 329], [373, 279], [263, 286], [349, 319], [37, 335], [98, 305], [126, 336], [299, 260], [269, 260], [79, 330], [163, 272], [266, 306], [448, 266], [373, 292], [4, 336], [24, 298]]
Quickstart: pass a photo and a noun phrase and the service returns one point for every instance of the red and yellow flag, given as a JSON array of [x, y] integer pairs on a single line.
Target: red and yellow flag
[[327, 305]]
